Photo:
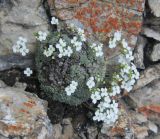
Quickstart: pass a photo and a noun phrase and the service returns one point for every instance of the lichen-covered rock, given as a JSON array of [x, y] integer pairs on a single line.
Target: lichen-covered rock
[[56, 74], [101, 18], [23, 115], [20, 18]]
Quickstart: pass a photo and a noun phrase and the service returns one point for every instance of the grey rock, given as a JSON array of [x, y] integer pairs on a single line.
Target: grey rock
[[153, 127], [92, 132], [148, 95], [147, 76], [155, 53], [20, 18], [23, 115], [16, 61], [151, 33], [154, 6], [139, 52]]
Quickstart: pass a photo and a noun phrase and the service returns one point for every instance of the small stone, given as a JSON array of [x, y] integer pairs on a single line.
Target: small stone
[[155, 53], [153, 127], [154, 6]]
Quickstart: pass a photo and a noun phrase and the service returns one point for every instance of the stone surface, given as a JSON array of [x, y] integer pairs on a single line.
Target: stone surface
[[16, 61], [20, 18], [154, 6], [150, 74], [140, 132], [151, 33], [63, 130], [155, 53], [23, 115], [101, 18], [147, 95], [139, 52], [92, 132], [153, 127]]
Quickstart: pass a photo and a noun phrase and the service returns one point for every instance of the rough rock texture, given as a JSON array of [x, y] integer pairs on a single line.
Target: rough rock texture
[[154, 55], [15, 61], [154, 6], [20, 18], [151, 33], [101, 18], [150, 74], [139, 52], [23, 115]]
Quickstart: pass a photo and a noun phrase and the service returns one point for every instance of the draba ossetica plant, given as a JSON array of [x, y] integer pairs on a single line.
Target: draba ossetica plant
[[72, 69]]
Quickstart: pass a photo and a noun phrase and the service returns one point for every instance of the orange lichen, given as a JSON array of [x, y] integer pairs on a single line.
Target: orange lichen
[[29, 104], [151, 110], [93, 16], [24, 111]]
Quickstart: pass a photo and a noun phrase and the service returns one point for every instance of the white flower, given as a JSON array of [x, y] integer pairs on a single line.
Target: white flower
[[117, 35], [54, 21], [93, 45], [24, 51], [104, 92], [62, 42], [71, 88], [16, 48], [69, 51], [28, 72], [95, 97], [124, 43], [99, 50], [90, 83], [42, 36], [112, 43], [51, 48]]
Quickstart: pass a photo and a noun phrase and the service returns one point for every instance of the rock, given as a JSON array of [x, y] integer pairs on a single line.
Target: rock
[[2, 84], [23, 115], [67, 131], [63, 130], [150, 74], [154, 6], [140, 132], [140, 118], [92, 132], [57, 131], [16, 61], [20, 18], [151, 33], [153, 127], [139, 52], [155, 53], [148, 95], [99, 18]]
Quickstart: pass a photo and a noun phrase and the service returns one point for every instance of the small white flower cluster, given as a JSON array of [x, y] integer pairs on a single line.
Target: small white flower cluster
[[54, 21], [81, 34], [64, 50], [91, 83], [20, 46], [98, 49], [28, 72], [116, 38], [107, 108], [71, 88], [49, 51], [77, 44], [129, 73], [41, 36]]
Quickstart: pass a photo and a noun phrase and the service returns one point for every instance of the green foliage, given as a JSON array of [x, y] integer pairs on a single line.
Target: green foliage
[[56, 74]]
